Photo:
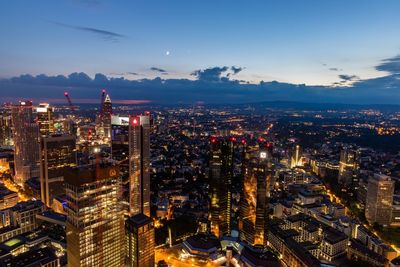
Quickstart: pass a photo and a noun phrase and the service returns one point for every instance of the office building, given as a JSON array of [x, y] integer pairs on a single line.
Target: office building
[[26, 142], [106, 117], [139, 165], [103, 119], [6, 128], [348, 167], [45, 119], [140, 241], [95, 226], [57, 152], [379, 199], [221, 174], [254, 202], [22, 219]]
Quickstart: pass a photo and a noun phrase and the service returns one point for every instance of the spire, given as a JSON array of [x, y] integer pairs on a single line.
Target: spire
[[107, 99]]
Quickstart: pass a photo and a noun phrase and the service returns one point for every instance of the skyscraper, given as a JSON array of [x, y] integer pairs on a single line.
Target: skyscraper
[[254, 201], [221, 174], [379, 199], [103, 120], [95, 226], [45, 118], [26, 142], [139, 165], [140, 241], [57, 152], [6, 128], [348, 167], [107, 112]]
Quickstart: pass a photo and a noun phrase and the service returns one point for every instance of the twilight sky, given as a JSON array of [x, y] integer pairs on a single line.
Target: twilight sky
[[344, 51]]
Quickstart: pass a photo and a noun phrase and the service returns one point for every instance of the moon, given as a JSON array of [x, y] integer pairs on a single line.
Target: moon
[[167, 53]]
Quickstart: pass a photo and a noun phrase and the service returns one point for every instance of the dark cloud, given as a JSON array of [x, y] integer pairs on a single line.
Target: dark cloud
[[236, 70], [212, 85], [335, 69], [158, 70], [211, 74], [391, 65], [132, 73], [348, 78], [105, 35]]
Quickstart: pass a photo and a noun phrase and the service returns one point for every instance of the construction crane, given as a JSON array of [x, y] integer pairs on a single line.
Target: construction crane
[[66, 94]]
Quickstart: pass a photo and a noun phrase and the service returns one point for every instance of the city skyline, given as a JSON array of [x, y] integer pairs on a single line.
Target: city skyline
[[199, 133]]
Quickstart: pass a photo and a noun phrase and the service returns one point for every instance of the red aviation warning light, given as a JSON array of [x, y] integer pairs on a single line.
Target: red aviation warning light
[[135, 121]]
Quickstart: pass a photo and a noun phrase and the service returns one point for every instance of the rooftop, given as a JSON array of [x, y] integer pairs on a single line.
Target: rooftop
[[139, 220]]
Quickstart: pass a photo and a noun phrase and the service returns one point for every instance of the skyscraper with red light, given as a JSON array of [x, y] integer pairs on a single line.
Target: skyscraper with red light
[[139, 165], [221, 174]]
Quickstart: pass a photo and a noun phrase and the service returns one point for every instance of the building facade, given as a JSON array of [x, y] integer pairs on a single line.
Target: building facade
[[26, 142], [57, 152], [220, 177], [379, 199], [6, 138], [140, 241], [45, 119], [348, 167], [254, 202], [139, 165], [95, 227]]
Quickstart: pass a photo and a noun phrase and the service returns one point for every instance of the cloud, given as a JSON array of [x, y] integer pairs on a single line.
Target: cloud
[[158, 70], [391, 65], [117, 73], [236, 70], [105, 35], [211, 74], [211, 85], [335, 69], [124, 73], [348, 78]]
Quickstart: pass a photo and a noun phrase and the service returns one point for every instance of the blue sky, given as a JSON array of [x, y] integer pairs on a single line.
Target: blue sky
[[308, 42]]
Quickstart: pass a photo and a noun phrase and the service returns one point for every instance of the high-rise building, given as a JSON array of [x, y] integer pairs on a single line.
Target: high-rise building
[[107, 112], [95, 225], [255, 196], [140, 241], [45, 118], [57, 152], [26, 142], [139, 165], [295, 158], [379, 199], [6, 128], [103, 120], [220, 195], [348, 167]]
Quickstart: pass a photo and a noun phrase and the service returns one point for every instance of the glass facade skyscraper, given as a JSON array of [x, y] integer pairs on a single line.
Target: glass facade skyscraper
[[95, 226], [220, 195], [139, 165]]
